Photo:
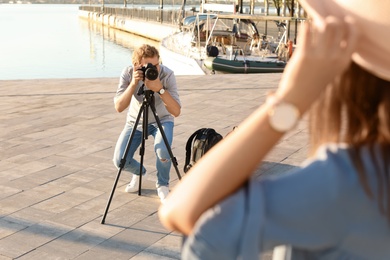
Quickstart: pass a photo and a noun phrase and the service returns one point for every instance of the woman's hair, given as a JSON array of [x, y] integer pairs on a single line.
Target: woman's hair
[[144, 51], [355, 110]]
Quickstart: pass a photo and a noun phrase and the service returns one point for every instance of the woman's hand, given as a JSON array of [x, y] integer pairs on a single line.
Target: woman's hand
[[324, 52]]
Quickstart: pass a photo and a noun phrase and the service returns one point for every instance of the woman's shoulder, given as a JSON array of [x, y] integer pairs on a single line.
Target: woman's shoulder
[[322, 180], [329, 151], [328, 180], [342, 158]]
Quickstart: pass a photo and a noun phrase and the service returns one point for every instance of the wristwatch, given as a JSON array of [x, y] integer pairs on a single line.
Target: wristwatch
[[282, 116], [161, 91]]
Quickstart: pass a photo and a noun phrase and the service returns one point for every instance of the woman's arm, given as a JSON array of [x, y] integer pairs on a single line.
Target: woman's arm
[[316, 62]]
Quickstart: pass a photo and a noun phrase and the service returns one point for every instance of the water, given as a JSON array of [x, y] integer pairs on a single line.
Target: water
[[51, 41]]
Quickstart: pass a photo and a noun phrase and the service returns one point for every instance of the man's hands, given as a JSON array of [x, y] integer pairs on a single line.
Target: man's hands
[[154, 85], [137, 75]]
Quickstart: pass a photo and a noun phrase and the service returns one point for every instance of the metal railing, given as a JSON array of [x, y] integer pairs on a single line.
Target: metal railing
[[172, 16], [161, 16]]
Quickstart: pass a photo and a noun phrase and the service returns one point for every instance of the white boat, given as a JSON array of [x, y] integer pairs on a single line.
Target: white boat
[[223, 42]]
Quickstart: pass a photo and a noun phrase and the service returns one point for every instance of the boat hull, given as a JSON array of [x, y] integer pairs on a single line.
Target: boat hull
[[221, 65], [179, 63]]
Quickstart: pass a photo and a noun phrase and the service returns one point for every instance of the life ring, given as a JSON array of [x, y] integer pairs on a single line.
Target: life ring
[[290, 48]]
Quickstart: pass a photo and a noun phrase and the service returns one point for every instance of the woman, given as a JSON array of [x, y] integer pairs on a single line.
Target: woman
[[337, 205]]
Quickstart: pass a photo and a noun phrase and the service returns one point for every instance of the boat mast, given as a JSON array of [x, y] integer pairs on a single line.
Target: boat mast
[[182, 12]]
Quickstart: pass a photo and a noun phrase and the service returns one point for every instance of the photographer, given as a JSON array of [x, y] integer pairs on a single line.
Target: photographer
[[147, 73]]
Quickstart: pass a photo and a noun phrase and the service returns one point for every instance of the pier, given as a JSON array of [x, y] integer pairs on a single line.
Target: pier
[[156, 24], [152, 24]]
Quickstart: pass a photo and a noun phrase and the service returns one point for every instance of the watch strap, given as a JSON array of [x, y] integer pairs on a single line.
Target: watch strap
[[161, 91]]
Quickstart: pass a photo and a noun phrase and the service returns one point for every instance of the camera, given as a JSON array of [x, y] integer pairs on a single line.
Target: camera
[[150, 71]]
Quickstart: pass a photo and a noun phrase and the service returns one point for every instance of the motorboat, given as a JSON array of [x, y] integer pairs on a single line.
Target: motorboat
[[224, 42]]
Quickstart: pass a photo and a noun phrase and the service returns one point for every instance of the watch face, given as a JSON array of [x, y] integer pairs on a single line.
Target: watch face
[[162, 91], [283, 117]]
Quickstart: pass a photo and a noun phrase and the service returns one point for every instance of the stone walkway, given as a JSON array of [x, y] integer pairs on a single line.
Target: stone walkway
[[56, 174]]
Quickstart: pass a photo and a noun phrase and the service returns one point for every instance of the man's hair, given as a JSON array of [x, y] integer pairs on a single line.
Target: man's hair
[[144, 51]]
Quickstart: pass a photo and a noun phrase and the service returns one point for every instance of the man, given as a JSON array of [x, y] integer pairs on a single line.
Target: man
[[167, 104]]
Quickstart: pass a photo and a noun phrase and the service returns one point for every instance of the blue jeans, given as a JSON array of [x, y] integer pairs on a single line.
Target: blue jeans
[[163, 159]]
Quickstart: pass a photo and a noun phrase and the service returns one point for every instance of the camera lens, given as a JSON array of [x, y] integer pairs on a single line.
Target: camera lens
[[151, 74]]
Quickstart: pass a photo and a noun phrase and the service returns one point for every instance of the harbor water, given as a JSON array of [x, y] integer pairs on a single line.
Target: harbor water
[[51, 41]]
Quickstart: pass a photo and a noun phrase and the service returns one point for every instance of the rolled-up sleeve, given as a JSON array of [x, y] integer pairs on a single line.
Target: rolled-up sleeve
[[169, 82], [124, 82]]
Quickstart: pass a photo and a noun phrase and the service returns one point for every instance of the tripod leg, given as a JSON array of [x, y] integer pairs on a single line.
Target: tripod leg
[[121, 166], [173, 159], [111, 195], [142, 148], [141, 152]]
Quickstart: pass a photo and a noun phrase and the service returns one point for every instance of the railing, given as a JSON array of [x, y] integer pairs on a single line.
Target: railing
[[172, 17], [162, 16]]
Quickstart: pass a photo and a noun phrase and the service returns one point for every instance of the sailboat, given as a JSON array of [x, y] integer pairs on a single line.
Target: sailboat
[[220, 40]]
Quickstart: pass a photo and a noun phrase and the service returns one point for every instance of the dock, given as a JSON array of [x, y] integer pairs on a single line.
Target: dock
[[56, 173], [158, 24]]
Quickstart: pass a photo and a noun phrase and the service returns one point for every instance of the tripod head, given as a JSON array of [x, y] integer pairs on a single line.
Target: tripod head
[[148, 94]]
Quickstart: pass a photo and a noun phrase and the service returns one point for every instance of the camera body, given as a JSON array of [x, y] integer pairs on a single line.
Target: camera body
[[150, 71]]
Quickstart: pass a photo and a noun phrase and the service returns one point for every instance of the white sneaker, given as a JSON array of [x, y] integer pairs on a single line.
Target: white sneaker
[[134, 183], [162, 192]]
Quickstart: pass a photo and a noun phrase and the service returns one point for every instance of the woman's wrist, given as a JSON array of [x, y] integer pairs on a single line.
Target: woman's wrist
[[282, 116]]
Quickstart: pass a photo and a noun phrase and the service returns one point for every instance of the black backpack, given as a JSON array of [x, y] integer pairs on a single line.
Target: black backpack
[[198, 144]]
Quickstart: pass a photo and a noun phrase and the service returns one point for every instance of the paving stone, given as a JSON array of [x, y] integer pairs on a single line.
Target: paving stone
[[56, 170], [8, 227]]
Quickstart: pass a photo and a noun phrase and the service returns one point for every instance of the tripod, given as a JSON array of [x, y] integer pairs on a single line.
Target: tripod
[[148, 101]]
